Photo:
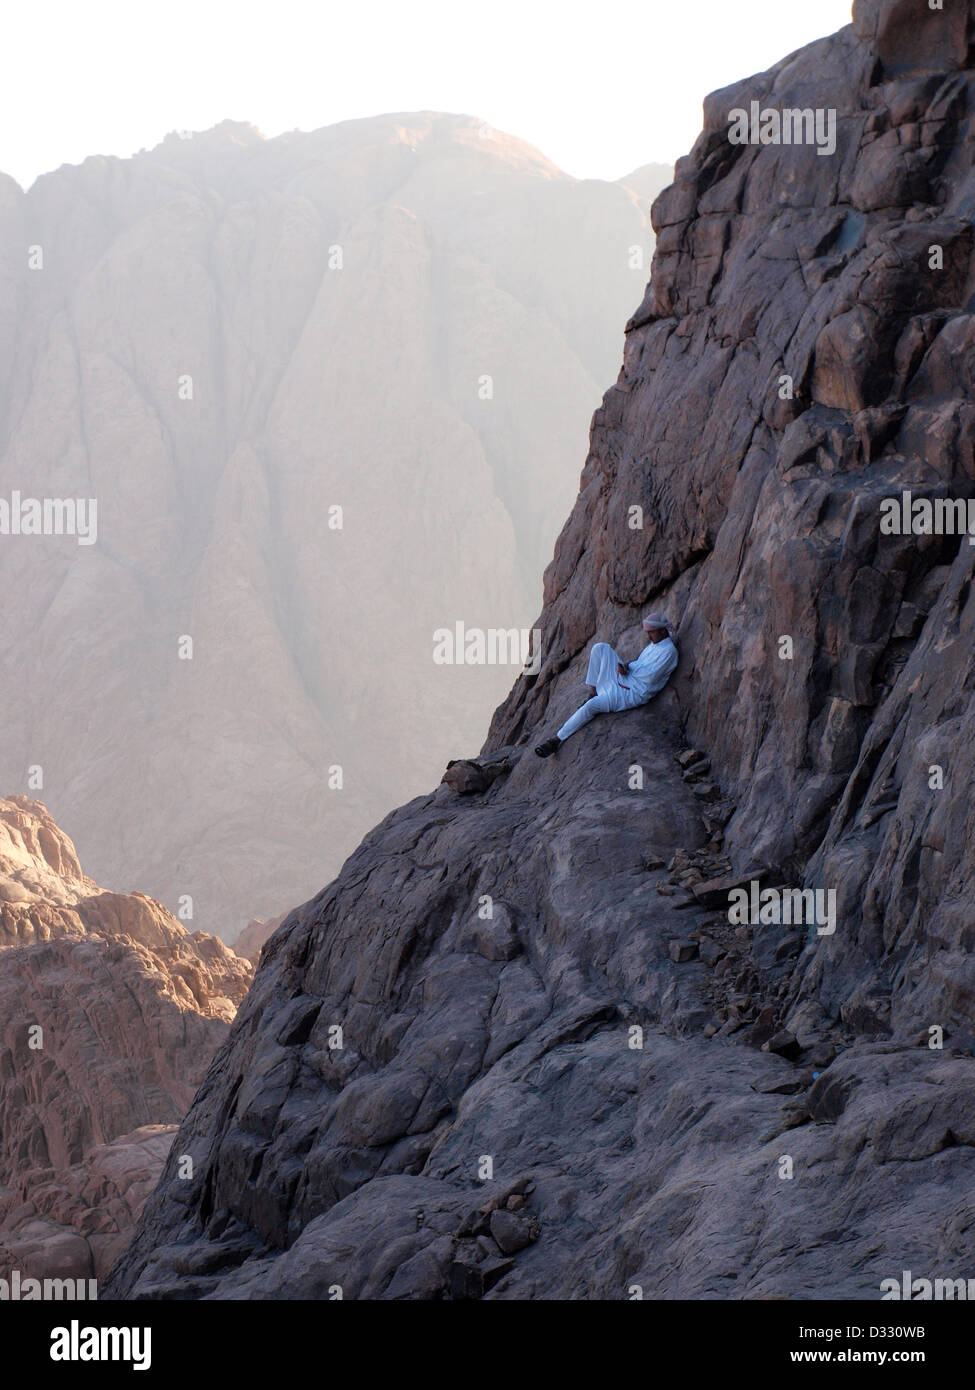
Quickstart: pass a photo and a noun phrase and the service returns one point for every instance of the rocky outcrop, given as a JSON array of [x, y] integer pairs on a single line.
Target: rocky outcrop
[[289, 372], [109, 1014], [75, 1222], [495, 998]]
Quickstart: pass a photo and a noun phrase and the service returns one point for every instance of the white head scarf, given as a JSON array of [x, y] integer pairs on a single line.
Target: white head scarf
[[656, 620]]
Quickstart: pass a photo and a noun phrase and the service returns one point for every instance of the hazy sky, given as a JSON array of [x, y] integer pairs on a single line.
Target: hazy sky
[[599, 88]]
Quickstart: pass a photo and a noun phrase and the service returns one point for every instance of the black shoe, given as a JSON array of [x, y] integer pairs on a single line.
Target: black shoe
[[546, 749]]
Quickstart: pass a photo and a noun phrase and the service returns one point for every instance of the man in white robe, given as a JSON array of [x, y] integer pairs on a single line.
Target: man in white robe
[[619, 684]]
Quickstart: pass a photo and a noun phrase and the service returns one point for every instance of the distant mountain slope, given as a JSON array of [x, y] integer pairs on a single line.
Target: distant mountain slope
[[222, 340], [649, 180]]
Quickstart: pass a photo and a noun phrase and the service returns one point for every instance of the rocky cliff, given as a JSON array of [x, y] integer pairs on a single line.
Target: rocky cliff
[[521, 1047], [110, 1012], [290, 373]]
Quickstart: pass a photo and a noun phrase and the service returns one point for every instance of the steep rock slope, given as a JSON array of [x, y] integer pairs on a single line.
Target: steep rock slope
[[221, 340], [559, 1073], [109, 1015]]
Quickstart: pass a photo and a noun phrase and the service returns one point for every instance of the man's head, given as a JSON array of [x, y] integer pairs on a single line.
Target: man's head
[[657, 626]]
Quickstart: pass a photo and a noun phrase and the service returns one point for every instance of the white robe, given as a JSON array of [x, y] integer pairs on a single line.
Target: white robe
[[647, 674]]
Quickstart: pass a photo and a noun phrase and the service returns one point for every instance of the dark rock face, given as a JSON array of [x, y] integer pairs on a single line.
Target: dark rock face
[[689, 1106]]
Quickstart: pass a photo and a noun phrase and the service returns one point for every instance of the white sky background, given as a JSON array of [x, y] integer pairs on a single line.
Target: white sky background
[[599, 88]]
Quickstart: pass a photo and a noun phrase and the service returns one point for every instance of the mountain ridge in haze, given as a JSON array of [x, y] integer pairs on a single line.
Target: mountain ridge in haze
[[408, 318]]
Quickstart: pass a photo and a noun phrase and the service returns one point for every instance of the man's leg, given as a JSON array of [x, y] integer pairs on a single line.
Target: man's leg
[[601, 676], [597, 705], [603, 662]]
